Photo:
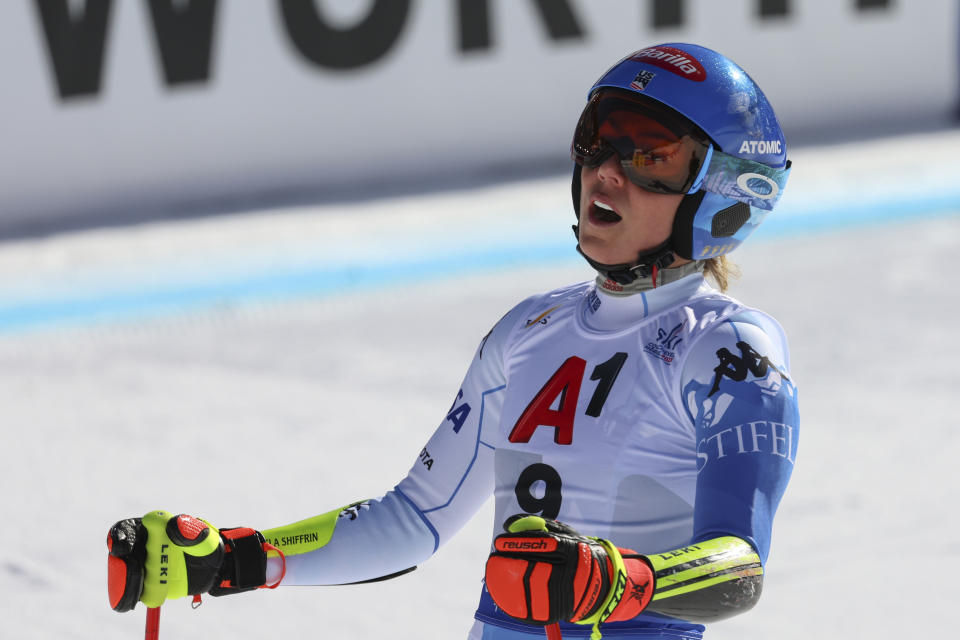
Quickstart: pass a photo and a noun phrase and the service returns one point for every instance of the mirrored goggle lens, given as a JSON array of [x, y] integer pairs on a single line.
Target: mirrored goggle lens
[[658, 152]]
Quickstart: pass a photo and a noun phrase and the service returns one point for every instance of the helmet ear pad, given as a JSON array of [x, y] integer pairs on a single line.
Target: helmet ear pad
[[709, 225]]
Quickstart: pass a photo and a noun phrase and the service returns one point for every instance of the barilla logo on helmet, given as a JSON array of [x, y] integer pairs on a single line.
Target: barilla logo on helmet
[[672, 59]]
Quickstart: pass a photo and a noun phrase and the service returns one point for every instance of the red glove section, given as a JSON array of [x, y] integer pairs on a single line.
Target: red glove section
[[245, 562], [127, 553], [554, 573], [187, 557]]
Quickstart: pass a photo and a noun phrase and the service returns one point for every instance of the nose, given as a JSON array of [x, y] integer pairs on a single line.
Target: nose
[[611, 172]]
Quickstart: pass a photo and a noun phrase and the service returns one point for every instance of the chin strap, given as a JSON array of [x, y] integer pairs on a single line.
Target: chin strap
[[647, 264], [657, 279]]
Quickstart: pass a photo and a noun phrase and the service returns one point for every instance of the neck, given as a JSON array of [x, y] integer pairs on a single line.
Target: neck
[[657, 278], [608, 310]]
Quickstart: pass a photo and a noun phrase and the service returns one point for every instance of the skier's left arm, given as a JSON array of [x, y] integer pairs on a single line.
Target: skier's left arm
[[738, 394], [737, 390]]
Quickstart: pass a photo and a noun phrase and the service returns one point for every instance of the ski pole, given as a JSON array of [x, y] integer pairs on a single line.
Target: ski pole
[[152, 631], [553, 631]]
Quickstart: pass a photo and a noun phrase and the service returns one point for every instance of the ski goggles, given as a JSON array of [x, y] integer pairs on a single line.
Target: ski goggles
[[663, 152]]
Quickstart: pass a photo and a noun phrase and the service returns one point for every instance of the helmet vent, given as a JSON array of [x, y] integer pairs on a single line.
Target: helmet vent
[[728, 221]]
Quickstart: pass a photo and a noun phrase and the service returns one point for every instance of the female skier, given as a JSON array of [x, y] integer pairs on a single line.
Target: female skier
[[638, 431]]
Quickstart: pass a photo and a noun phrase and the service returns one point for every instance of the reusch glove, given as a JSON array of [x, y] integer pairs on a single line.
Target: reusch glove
[[161, 557], [542, 571]]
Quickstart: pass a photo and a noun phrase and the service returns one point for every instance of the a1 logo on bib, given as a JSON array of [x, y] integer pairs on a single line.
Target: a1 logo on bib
[[562, 391]]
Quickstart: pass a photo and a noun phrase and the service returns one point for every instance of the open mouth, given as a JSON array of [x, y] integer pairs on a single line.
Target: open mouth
[[603, 213]]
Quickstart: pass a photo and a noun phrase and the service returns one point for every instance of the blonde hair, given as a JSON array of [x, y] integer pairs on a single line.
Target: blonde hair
[[721, 270]]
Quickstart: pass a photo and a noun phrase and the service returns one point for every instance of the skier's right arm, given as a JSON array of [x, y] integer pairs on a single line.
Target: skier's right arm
[[451, 478]]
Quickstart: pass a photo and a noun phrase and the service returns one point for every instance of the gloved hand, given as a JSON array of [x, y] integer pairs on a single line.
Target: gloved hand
[[543, 571], [161, 557]]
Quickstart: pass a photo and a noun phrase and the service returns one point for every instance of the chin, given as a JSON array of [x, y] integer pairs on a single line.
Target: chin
[[603, 255]]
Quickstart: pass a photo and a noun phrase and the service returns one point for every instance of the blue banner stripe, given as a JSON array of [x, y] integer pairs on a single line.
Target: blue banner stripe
[[109, 303]]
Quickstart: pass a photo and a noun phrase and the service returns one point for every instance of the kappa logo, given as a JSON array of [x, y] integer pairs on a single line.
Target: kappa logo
[[637, 591], [543, 318], [665, 346], [767, 375]]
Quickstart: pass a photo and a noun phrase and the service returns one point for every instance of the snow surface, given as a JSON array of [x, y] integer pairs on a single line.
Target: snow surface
[[261, 368]]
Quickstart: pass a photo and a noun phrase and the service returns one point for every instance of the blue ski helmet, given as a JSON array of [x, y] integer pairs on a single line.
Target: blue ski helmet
[[745, 168]]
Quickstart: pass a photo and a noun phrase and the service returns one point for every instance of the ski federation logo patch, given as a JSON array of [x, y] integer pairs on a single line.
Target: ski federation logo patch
[[665, 346], [642, 79], [673, 60]]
